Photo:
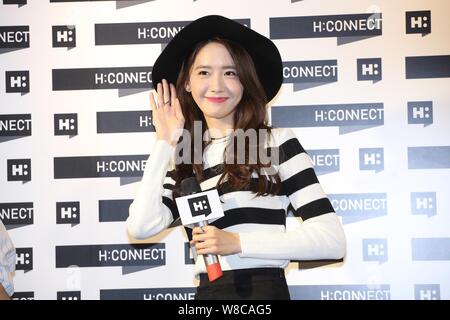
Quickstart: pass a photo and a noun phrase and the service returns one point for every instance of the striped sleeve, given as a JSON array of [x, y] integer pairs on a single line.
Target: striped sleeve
[[153, 208], [299, 180], [320, 235], [7, 261]]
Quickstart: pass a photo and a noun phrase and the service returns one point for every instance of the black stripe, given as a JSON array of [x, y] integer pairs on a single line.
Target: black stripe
[[172, 206], [168, 186], [298, 181], [314, 208], [251, 215], [213, 171], [287, 150]]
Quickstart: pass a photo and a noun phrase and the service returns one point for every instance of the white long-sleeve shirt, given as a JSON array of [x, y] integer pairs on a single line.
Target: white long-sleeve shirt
[[260, 221]]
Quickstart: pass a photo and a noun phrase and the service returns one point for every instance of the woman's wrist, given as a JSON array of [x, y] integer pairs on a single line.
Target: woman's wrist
[[237, 240], [171, 142]]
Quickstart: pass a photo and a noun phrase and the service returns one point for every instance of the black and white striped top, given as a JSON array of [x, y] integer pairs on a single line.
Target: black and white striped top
[[260, 221]]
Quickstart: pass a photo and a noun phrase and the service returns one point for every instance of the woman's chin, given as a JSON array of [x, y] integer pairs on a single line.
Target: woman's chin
[[215, 114]]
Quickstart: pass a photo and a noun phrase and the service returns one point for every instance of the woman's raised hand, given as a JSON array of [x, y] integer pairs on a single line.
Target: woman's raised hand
[[167, 116]]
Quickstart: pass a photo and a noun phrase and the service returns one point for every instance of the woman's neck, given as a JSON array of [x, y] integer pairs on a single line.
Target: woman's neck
[[219, 129]]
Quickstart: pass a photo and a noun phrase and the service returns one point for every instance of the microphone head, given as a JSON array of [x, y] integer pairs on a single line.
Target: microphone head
[[189, 186]]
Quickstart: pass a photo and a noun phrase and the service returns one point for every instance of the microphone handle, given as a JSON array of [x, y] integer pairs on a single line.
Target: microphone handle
[[211, 260]]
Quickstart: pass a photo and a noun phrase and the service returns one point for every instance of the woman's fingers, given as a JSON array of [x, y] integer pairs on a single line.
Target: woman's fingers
[[173, 94], [166, 93], [167, 117], [159, 89], [202, 245], [198, 234], [152, 103], [198, 230], [176, 103], [199, 237], [173, 99]]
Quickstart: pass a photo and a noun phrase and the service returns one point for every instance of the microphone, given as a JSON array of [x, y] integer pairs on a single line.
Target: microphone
[[190, 186]]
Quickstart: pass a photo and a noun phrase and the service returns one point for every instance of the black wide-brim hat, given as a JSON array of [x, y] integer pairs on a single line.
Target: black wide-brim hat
[[263, 51]]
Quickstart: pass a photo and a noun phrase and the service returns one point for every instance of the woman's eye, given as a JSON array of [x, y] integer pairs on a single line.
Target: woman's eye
[[230, 73], [203, 73]]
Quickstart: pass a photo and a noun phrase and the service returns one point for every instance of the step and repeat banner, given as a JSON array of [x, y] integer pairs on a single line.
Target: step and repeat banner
[[366, 90]]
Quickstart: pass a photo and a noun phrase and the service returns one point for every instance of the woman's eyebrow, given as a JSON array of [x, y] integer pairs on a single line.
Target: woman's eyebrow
[[209, 67]]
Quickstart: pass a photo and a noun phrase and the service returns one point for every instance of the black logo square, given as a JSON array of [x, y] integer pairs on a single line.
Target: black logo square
[[68, 212], [17, 81], [369, 69], [66, 124], [64, 36], [24, 259], [418, 22], [19, 169], [199, 206]]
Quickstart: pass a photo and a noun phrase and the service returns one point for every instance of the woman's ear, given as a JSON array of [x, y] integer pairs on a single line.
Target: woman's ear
[[188, 87]]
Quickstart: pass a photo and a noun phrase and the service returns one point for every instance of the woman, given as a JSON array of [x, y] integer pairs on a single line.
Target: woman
[[224, 75]]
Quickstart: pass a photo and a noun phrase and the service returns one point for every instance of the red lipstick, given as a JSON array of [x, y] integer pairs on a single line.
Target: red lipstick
[[216, 99]]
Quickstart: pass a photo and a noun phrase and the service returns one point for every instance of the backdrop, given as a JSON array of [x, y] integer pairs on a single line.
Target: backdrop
[[366, 90]]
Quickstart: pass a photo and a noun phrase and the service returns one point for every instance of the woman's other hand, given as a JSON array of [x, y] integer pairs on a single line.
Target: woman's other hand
[[167, 116], [212, 240]]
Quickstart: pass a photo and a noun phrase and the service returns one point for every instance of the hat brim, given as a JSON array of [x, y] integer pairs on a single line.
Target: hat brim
[[264, 53]]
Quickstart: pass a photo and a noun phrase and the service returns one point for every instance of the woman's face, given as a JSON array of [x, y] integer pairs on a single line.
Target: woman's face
[[214, 83]]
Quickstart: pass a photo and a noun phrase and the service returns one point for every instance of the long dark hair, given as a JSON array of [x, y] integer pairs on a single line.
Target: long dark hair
[[250, 113]]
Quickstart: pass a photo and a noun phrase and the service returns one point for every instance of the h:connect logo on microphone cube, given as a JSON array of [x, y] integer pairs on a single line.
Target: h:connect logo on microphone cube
[[199, 206]]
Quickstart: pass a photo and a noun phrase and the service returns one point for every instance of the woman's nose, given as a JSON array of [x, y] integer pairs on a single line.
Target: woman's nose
[[217, 83]]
